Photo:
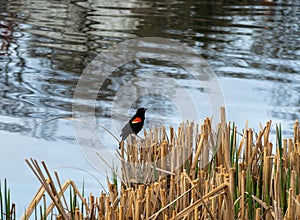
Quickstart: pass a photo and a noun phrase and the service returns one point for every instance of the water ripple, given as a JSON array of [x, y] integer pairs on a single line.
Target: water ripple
[[45, 46]]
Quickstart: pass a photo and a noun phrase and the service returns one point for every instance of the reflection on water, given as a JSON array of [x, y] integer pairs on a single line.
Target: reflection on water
[[45, 45]]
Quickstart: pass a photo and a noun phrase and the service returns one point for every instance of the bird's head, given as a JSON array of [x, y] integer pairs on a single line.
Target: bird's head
[[141, 111]]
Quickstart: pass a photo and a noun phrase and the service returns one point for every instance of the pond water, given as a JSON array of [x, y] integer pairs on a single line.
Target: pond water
[[253, 48]]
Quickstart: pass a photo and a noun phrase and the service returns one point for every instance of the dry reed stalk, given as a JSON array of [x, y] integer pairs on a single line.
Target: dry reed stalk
[[267, 133], [172, 189], [297, 201], [204, 156], [214, 204], [242, 201], [258, 146], [296, 131], [232, 181], [277, 192], [266, 168], [194, 184], [249, 150], [290, 205], [60, 194], [290, 145], [285, 148], [121, 212], [191, 141], [228, 204], [137, 206], [50, 188], [199, 148], [154, 216], [77, 214], [199, 202], [102, 204], [130, 207], [148, 202], [60, 188], [163, 197], [224, 137], [36, 199], [163, 159], [257, 214], [239, 152]]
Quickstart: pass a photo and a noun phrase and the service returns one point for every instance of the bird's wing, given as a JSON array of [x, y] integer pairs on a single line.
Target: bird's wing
[[126, 130]]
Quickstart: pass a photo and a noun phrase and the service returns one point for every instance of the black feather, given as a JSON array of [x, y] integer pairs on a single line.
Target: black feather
[[134, 128]]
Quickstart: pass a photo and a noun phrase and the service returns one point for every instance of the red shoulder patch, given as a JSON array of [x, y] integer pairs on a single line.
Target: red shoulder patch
[[136, 120]]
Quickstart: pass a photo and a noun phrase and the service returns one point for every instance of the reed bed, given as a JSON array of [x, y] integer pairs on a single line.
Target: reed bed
[[195, 172]]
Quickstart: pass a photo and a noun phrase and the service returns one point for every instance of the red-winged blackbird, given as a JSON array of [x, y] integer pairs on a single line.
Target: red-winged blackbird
[[135, 124]]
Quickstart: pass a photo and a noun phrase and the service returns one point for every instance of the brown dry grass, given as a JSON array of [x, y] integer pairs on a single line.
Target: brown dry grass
[[194, 173]]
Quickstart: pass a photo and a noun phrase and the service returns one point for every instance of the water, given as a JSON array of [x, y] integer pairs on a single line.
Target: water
[[252, 46]]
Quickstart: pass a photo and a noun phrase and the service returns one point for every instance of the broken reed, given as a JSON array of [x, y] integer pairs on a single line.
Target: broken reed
[[195, 173]]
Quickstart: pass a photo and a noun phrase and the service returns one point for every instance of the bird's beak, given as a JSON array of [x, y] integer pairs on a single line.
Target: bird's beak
[[146, 109]]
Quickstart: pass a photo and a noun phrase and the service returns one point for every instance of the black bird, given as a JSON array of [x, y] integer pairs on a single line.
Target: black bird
[[135, 124]]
